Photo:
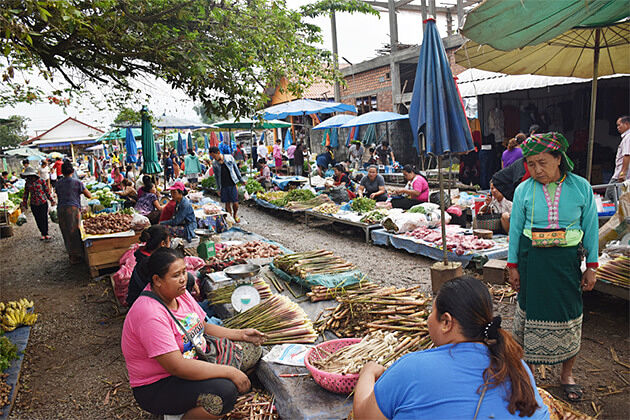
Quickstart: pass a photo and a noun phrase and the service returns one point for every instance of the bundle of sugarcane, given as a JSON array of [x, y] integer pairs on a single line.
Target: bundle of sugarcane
[[224, 294], [256, 404], [616, 271], [318, 293], [380, 347], [306, 264], [282, 321], [387, 308]]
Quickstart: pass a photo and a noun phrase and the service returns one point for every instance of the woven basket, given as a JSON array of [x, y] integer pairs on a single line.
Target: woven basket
[[490, 221], [334, 382]]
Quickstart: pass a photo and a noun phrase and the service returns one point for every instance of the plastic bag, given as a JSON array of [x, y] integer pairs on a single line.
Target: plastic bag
[[140, 222], [54, 217], [194, 263], [21, 220], [287, 354]]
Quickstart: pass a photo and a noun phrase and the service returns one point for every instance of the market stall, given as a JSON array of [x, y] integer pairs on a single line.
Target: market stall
[[347, 218]]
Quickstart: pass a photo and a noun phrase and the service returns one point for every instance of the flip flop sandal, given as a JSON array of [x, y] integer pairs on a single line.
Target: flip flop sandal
[[574, 389]]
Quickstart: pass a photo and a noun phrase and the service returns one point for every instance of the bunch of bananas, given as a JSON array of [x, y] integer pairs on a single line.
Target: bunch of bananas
[[14, 314]]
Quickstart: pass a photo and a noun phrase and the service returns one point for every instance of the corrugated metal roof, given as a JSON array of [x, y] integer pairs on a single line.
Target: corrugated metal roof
[[474, 82]]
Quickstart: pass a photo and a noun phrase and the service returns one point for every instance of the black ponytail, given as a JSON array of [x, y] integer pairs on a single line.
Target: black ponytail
[[153, 237]]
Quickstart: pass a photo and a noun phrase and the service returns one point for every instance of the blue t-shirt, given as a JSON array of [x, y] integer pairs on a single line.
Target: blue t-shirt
[[443, 383]]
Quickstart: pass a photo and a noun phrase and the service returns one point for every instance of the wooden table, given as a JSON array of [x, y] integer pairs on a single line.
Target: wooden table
[[364, 226]]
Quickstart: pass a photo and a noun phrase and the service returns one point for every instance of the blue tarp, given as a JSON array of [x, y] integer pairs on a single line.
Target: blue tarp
[[283, 181], [19, 337]]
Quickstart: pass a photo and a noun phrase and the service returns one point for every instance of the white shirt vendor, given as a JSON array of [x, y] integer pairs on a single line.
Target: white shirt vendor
[[622, 151]]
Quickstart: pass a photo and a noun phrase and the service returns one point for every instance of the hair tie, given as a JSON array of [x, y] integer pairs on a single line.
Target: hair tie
[[491, 331]]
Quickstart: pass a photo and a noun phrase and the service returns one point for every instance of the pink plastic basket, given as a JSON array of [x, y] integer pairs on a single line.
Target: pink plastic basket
[[334, 382]]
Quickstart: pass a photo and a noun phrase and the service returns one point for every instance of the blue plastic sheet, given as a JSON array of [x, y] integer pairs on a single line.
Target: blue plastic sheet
[[283, 181], [327, 280], [19, 337]]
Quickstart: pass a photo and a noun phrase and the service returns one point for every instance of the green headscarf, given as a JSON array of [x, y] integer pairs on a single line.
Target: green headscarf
[[548, 142]]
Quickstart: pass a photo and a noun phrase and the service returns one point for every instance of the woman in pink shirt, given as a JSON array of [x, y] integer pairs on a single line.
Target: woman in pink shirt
[[178, 363], [416, 190], [277, 155]]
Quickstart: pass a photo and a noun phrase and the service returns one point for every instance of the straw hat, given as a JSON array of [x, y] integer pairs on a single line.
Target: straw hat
[[29, 171]]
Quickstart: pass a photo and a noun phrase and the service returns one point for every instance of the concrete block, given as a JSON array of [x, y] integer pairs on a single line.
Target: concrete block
[[495, 271]]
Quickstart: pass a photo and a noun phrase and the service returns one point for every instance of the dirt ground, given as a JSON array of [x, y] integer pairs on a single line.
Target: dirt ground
[[74, 367]]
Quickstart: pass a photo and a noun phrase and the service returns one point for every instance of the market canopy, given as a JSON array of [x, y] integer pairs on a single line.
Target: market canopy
[[166, 122], [335, 121], [305, 107], [119, 133], [250, 124], [25, 152], [374, 117], [510, 24]]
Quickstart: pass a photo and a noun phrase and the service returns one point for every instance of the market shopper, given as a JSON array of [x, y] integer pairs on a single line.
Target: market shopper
[[298, 158], [39, 193], [512, 154], [69, 190], [262, 150], [174, 373], [148, 203], [168, 166], [192, 168], [277, 156], [129, 193], [44, 172], [553, 216], [416, 190], [227, 176], [324, 160], [475, 371], [622, 158], [496, 203], [384, 153], [372, 185], [183, 223], [356, 151]]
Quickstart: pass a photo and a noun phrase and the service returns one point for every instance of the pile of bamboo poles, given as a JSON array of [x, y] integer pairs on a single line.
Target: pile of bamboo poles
[[224, 294], [310, 263], [500, 292], [319, 293], [255, 405], [282, 321], [382, 309], [616, 271]]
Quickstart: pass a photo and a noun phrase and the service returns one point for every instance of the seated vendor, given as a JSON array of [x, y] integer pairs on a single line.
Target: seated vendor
[[416, 190], [475, 370], [323, 160], [183, 223], [175, 373], [148, 204], [265, 174], [372, 185], [128, 193], [496, 203], [117, 179], [341, 178]]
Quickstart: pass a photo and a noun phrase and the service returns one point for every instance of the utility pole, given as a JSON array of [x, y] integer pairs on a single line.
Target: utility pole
[[333, 27], [394, 67]]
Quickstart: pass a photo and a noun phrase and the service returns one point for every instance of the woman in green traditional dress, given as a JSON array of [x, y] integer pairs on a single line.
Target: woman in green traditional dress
[[554, 217]]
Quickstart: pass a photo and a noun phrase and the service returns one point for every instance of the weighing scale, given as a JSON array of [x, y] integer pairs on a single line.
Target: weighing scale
[[245, 296], [205, 249]]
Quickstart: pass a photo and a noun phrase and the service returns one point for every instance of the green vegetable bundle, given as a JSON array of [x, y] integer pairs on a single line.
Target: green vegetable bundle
[[252, 186], [362, 205], [375, 216], [209, 183], [8, 353]]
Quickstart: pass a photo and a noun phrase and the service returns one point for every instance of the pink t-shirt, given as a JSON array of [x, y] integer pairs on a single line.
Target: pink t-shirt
[[149, 331], [277, 151], [420, 184]]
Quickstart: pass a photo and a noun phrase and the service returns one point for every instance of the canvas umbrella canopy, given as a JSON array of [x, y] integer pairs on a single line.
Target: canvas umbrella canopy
[[131, 147], [249, 124], [375, 117], [119, 134], [336, 121], [305, 107], [437, 110], [149, 155], [588, 52], [25, 152]]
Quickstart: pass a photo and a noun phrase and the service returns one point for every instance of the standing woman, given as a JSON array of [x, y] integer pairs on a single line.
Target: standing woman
[[553, 216], [38, 190], [69, 192]]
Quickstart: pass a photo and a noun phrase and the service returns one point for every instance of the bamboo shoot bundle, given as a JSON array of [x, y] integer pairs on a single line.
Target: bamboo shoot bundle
[[616, 271], [310, 263], [224, 294]]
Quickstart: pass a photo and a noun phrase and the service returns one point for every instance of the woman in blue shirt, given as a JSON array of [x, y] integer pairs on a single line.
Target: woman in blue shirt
[[474, 372], [183, 223]]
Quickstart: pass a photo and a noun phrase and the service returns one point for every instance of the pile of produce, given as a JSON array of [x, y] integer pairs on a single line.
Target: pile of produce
[[252, 186], [306, 264], [255, 405], [5, 390], [105, 197], [319, 293], [209, 183], [387, 308], [8, 353], [282, 321], [214, 264], [455, 242], [297, 195], [380, 347], [308, 204], [615, 271], [362, 205], [224, 294], [502, 291], [14, 314], [105, 223], [247, 250], [211, 208], [374, 217], [270, 196], [327, 208]]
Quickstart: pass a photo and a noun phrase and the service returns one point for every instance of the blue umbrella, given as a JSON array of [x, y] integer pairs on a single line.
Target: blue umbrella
[[288, 139], [105, 152], [132, 148], [436, 107], [374, 117], [437, 110], [181, 146], [335, 121], [206, 141], [190, 142], [220, 137], [305, 107]]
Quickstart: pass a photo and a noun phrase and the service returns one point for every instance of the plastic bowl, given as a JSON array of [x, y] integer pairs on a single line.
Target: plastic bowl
[[333, 382]]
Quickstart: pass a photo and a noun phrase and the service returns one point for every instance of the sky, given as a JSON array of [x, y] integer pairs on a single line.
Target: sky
[[359, 36]]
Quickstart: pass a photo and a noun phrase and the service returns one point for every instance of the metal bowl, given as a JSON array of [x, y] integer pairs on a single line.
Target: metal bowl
[[204, 233], [242, 271]]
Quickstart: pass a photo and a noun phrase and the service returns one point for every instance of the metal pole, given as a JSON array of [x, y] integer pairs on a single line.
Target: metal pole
[[591, 126], [333, 28], [441, 180]]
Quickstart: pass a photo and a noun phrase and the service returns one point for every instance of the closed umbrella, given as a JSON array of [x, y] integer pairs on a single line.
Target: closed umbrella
[[206, 142], [288, 140], [437, 110], [214, 141], [149, 155], [190, 142], [132, 148], [181, 146]]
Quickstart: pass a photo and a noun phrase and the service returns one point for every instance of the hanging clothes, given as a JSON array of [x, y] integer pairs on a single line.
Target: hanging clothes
[[495, 124]]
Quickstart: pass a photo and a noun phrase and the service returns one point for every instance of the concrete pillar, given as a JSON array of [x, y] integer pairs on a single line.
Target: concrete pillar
[[333, 29], [394, 68]]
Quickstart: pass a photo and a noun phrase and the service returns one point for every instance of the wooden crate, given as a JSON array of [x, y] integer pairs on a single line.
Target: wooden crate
[[105, 253], [495, 271]]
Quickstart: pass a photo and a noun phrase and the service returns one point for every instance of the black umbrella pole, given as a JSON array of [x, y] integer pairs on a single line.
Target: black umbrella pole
[[442, 220]]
